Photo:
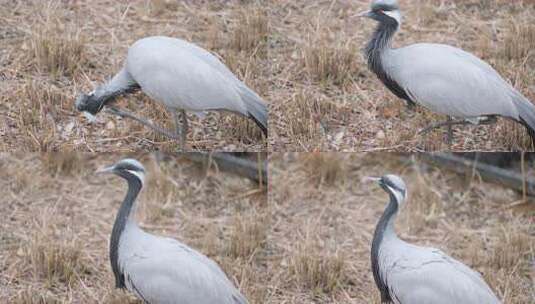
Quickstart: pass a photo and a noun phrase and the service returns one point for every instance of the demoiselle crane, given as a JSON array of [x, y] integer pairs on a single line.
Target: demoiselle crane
[[444, 79], [158, 269], [409, 274], [181, 76]]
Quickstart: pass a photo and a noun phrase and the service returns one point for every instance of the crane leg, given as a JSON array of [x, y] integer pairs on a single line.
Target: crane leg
[[411, 106], [483, 120], [450, 133], [450, 122], [125, 114], [185, 126], [181, 124]]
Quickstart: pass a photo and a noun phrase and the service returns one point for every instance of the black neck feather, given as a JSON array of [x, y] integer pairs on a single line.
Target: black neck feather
[[374, 50], [95, 102], [108, 97], [380, 229], [134, 186], [378, 43]]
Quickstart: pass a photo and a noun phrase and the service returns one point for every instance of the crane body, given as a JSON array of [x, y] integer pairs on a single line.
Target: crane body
[[409, 274], [442, 78], [161, 270], [181, 76]]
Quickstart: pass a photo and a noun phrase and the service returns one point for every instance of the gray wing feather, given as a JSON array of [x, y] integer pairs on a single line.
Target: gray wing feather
[[451, 81], [256, 107], [170, 272], [178, 79], [205, 56], [427, 275], [527, 113], [182, 75]]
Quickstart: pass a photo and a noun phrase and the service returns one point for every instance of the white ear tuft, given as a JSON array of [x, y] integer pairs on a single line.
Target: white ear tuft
[[139, 175], [400, 196], [394, 14]]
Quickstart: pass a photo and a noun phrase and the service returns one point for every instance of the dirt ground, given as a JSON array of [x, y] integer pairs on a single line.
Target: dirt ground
[[58, 216], [324, 217], [325, 99], [50, 51]]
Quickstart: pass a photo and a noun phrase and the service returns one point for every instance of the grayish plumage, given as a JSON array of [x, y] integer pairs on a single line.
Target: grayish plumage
[[444, 79], [409, 274], [157, 269], [183, 77]]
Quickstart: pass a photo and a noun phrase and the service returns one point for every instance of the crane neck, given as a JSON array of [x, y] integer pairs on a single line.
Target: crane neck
[[380, 41], [124, 216], [120, 84], [384, 229]]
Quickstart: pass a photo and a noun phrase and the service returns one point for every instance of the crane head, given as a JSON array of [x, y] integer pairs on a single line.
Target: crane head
[[385, 4], [385, 11], [392, 184], [89, 104], [127, 168]]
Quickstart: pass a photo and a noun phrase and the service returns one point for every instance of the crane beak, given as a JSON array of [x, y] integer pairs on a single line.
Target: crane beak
[[371, 178], [105, 170], [366, 14], [90, 117]]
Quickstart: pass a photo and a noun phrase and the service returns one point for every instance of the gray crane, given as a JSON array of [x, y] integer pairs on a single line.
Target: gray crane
[[181, 76], [157, 269], [405, 273], [444, 79]]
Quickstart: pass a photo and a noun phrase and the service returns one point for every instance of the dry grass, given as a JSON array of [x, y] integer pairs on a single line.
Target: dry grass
[[36, 110], [519, 41], [323, 228], [54, 262], [252, 33], [63, 163], [315, 270], [513, 245], [248, 236], [59, 217], [53, 50], [304, 120], [160, 7], [324, 168], [33, 297], [316, 49], [56, 50], [329, 62]]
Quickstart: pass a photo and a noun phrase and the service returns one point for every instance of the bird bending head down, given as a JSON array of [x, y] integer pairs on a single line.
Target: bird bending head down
[[393, 185], [127, 168], [88, 104]]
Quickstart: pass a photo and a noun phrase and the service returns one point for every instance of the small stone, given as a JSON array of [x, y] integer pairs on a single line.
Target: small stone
[[338, 137], [380, 135], [69, 127], [110, 125]]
